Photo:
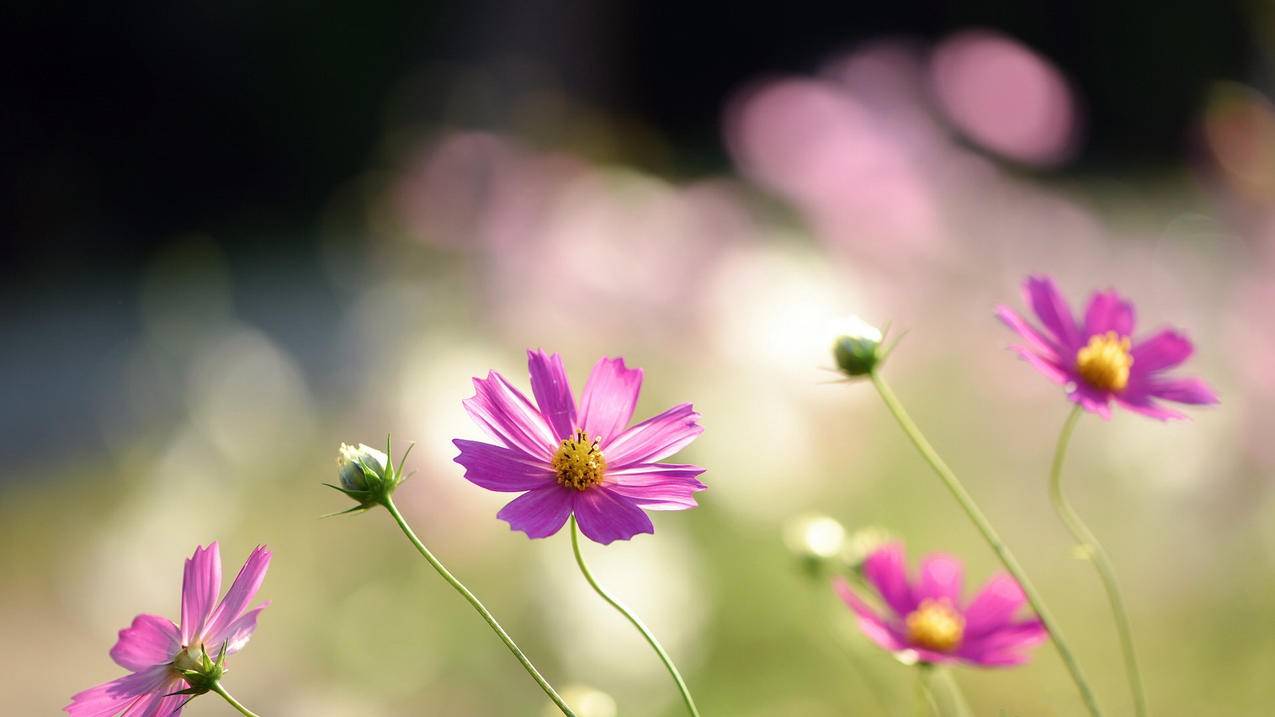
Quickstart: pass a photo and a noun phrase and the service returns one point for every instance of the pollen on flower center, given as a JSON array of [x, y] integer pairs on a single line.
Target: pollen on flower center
[[935, 625], [579, 463], [1104, 362]]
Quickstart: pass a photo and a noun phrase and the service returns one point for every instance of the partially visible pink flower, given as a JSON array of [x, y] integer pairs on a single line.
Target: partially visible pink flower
[[1096, 358], [154, 650], [928, 621], [579, 458]]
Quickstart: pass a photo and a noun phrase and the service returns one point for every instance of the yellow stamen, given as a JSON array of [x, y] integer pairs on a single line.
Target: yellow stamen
[[935, 625], [579, 463], [1104, 362]]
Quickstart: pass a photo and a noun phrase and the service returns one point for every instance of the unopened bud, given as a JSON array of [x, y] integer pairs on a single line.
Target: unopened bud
[[367, 475], [856, 346], [815, 540], [361, 466]]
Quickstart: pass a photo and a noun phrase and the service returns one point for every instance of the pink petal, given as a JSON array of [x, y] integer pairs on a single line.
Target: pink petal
[[553, 393], [610, 395], [160, 704], [1162, 351], [241, 592], [605, 517], [105, 700], [539, 513], [509, 417], [1004, 646], [1108, 312], [1047, 366], [1091, 399], [994, 606], [876, 629], [886, 569], [655, 438], [1183, 390], [236, 635], [501, 469], [1053, 312], [151, 640], [1143, 403], [200, 585], [109, 699], [942, 576], [1036, 341], [657, 486]]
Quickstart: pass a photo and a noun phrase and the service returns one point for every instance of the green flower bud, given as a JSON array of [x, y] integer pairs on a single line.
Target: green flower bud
[[857, 346], [356, 466], [367, 475]]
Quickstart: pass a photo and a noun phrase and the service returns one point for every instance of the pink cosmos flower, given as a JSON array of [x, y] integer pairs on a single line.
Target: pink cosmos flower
[[579, 458], [155, 650], [927, 621], [1096, 359]]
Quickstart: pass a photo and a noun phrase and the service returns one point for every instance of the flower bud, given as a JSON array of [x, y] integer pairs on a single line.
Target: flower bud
[[815, 540], [367, 475], [857, 346], [356, 465]]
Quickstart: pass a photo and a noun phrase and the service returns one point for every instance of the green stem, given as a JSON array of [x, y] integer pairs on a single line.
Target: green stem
[[926, 705], [1101, 561], [642, 628], [216, 687], [1002, 551], [477, 605], [960, 708]]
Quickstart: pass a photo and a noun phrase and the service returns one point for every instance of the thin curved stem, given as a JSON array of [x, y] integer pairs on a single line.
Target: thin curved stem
[[993, 539], [1097, 554], [216, 687], [477, 605], [637, 622], [956, 697], [926, 704]]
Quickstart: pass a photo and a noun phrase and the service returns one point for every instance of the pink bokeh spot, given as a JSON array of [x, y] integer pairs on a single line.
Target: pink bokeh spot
[[853, 176], [1004, 97]]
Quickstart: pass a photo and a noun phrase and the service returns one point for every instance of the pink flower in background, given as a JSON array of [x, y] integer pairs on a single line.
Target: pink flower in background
[[1005, 97], [1096, 358], [579, 458], [927, 621], [154, 650], [856, 171]]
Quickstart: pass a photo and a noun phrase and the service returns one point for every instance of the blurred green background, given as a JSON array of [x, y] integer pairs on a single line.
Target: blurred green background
[[245, 235]]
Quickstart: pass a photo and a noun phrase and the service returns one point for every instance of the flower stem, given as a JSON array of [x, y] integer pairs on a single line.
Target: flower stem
[[216, 687], [1101, 562], [926, 705], [980, 521], [641, 627], [960, 708], [477, 605]]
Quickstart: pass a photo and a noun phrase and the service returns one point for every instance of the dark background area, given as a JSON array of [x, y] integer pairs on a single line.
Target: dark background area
[[123, 126]]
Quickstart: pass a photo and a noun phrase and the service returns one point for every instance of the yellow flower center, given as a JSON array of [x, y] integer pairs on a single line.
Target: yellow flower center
[[935, 625], [579, 463], [1104, 362]]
